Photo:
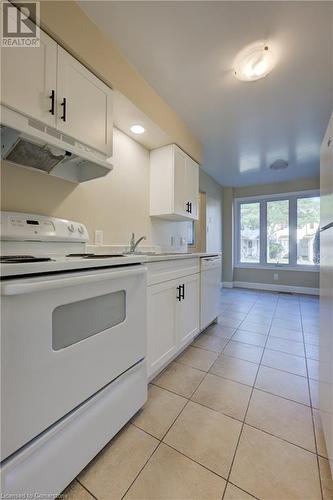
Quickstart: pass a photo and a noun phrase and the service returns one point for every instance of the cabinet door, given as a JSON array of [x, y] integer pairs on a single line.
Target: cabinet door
[[161, 318], [28, 79], [192, 187], [187, 312], [84, 104], [180, 190]]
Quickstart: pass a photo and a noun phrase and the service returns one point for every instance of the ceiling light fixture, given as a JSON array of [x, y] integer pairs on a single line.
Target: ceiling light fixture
[[137, 129], [279, 165], [254, 62]]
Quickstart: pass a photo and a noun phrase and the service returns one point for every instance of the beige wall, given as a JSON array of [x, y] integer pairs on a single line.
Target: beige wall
[[307, 279], [214, 196], [118, 204], [69, 25], [227, 256]]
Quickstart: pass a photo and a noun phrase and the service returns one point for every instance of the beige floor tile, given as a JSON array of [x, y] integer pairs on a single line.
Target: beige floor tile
[[76, 492], [291, 324], [206, 436], [313, 369], [235, 369], [181, 379], [284, 345], [272, 469], [283, 384], [220, 331], [223, 395], [251, 326], [286, 333], [312, 352], [170, 476], [326, 479], [284, 361], [311, 339], [197, 358], [116, 466], [159, 412], [314, 392], [282, 418], [321, 445], [230, 322], [234, 493], [244, 351], [250, 338], [210, 342]]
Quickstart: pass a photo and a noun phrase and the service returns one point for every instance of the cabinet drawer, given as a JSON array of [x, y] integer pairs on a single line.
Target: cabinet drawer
[[158, 272]]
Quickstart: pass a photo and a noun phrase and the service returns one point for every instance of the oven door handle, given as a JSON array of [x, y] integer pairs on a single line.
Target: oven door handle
[[13, 288]]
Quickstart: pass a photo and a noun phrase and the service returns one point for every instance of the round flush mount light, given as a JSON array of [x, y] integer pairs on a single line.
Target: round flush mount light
[[255, 61], [137, 129], [279, 165]]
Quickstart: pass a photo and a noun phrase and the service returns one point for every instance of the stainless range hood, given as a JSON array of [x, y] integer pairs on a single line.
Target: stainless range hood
[[29, 143]]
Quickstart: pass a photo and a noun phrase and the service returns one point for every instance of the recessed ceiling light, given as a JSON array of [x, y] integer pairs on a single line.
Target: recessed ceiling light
[[254, 62], [279, 165], [137, 129]]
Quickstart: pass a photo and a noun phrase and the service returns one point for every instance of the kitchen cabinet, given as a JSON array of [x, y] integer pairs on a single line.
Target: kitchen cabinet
[[174, 184], [59, 92], [173, 317], [84, 104], [29, 78], [187, 310]]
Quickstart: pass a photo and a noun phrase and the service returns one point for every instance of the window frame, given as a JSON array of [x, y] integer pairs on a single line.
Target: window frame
[[263, 199]]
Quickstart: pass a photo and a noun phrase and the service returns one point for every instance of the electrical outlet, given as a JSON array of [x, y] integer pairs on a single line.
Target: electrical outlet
[[276, 276], [98, 237]]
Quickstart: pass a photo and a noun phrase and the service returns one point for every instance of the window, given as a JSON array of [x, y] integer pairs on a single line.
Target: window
[[308, 214], [250, 232], [281, 230], [278, 232]]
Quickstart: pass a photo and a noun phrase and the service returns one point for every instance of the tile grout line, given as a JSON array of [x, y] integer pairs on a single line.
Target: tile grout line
[[248, 405], [85, 488], [312, 413]]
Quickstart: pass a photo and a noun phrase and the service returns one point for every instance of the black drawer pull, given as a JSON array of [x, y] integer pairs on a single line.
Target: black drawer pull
[[52, 97], [64, 107], [182, 291], [179, 296]]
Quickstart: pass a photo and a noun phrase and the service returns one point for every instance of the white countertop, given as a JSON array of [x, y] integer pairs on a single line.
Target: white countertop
[[177, 256]]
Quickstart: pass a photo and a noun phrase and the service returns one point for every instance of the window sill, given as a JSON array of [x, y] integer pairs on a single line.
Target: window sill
[[311, 269]]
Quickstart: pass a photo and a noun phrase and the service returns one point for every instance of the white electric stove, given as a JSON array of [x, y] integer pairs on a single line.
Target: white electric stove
[[73, 347]]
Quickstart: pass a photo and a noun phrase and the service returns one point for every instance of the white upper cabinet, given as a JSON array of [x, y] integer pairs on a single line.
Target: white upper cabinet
[[174, 184], [29, 79], [51, 86], [84, 104]]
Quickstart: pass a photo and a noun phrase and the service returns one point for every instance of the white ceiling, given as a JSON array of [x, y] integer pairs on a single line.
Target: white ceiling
[[185, 51]]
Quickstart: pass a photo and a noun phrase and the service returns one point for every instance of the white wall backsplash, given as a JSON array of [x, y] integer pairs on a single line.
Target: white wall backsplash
[[117, 204]]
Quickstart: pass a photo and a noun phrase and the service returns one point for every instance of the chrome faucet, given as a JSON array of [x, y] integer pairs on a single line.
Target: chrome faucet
[[134, 244]]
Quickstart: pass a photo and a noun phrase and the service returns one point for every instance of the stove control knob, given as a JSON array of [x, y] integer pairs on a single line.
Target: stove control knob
[[71, 228], [80, 229]]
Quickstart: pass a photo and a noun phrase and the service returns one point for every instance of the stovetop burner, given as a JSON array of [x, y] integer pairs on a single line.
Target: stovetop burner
[[18, 259], [94, 255]]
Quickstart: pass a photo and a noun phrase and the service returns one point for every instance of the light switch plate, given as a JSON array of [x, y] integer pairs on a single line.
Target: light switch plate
[[276, 276]]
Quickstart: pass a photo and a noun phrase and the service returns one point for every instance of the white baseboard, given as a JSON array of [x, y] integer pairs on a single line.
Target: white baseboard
[[227, 284], [275, 287]]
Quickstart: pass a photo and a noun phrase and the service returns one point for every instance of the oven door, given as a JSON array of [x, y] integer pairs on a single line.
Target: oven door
[[64, 337]]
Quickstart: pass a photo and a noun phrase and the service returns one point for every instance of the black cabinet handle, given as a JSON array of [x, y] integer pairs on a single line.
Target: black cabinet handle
[[182, 291], [52, 97], [64, 104], [190, 207], [179, 296]]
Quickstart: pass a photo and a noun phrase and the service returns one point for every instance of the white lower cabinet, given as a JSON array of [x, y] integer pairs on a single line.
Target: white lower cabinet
[[173, 319]]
